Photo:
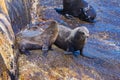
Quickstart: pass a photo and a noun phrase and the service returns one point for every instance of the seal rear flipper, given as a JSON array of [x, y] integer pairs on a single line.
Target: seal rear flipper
[[24, 49], [26, 52]]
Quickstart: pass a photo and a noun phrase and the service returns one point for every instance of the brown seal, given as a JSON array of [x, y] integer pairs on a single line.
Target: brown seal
[[42, 41], [78, 8], [72, 40]]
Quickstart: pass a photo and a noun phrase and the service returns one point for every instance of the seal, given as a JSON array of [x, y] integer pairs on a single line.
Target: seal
[[72, 40], [78, 8], [42, 41]]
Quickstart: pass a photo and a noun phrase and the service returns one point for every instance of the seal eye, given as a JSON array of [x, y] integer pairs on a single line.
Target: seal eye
[[82, 33]]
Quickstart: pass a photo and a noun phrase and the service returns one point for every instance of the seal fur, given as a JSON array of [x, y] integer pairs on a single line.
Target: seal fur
[[72, 40], [78, 8], [42, 41]]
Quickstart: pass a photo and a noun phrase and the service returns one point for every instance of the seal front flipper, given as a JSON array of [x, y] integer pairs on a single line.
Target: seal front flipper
[[76, 53], [44, 50], [68, 51], [50, 48], [27, 52], [72, 49]]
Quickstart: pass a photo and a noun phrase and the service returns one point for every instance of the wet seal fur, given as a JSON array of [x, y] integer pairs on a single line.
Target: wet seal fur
[[78, 8], [42, 41], [72, 40]]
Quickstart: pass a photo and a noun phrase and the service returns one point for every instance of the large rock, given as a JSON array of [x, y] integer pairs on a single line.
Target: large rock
[[12, 19]]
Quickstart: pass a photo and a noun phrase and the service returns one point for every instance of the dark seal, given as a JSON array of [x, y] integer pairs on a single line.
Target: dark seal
[[42, 41], [72, 40], [78, 8]]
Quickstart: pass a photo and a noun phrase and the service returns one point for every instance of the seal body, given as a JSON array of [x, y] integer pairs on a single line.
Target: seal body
[[42, 41], [80, 9], [72, 40], [64, 32]]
